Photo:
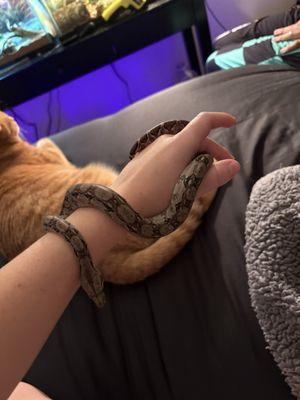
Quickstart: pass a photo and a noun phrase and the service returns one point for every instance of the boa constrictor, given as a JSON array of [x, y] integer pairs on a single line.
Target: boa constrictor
[[108, 201]]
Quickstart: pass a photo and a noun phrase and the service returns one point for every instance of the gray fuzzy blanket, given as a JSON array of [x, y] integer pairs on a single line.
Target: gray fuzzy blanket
[[273, 263]]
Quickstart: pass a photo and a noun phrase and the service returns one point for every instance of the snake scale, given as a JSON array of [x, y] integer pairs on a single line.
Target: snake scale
[[108, 201], [116, 207]]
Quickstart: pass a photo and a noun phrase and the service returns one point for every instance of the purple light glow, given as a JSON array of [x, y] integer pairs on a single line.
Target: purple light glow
[[105, 91]]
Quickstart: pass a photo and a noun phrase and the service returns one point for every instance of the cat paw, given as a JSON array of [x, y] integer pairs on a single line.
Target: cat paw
[[9, 129]]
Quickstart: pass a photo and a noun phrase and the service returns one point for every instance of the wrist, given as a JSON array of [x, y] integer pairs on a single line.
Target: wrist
[[100, 232]]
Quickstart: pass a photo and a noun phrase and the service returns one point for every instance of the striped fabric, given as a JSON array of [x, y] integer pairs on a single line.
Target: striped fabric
[[253, 43]]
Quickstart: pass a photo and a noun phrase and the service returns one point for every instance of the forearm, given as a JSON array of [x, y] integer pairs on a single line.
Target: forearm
[[37, 286]]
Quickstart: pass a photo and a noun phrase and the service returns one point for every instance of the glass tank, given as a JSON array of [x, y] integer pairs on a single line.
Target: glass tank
[[25, 27], [70, 14]]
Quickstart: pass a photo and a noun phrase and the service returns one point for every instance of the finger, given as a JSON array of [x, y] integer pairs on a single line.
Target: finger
[[288, 35], [191, 138], [216, 150], [282, 30], [293, 46], [203, 123], [220, 173]]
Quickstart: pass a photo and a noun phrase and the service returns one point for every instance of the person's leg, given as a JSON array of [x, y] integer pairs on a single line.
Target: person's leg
[[255, 51], [228, 57], [253, 44], [261, 27]]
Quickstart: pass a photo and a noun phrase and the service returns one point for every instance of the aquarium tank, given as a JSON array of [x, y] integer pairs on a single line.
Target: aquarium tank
[[30, 26], [71, 14], [25, 28]]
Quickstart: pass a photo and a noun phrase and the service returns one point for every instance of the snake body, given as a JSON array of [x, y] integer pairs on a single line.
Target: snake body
[[110, 202], [105, 199]]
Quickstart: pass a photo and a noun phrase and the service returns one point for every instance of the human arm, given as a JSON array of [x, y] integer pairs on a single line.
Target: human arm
[[37, 285]]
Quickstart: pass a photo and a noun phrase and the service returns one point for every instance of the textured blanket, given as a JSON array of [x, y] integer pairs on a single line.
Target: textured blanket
[[273, 263]]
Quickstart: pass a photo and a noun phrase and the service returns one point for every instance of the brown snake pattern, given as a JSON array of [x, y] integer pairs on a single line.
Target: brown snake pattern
[[106, 200], [110, 202], [90, 276]]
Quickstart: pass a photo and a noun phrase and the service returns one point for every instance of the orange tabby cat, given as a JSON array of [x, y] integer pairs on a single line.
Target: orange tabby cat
[[33, 183]]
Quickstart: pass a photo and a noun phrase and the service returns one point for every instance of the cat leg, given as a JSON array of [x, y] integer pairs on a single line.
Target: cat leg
[[51, 152]]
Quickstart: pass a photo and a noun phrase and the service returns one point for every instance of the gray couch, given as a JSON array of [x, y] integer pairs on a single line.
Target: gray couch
[[189, 332]]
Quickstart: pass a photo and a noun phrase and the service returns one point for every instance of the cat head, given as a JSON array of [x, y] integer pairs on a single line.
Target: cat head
[[9, 130], [11, 145]]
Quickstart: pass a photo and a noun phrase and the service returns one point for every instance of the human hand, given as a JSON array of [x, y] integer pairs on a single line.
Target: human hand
[[288, 33], [148, 180]]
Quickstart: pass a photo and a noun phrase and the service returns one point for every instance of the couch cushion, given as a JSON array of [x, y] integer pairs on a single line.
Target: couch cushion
[[188, 332]]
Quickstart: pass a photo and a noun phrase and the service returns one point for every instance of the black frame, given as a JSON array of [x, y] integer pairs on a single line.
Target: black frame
[[158, 20]]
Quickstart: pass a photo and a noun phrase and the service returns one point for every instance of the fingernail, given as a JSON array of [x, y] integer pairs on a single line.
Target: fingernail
[[234, 167]]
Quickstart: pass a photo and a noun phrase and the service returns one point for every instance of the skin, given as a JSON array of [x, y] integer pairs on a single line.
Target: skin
[[27, 392], [292, 33], [37, 286]]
